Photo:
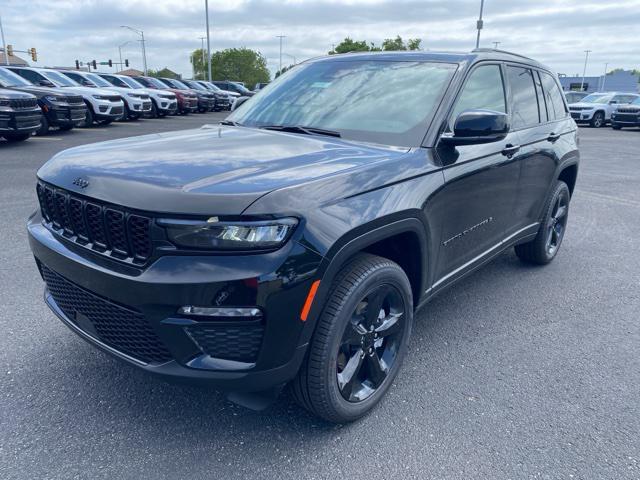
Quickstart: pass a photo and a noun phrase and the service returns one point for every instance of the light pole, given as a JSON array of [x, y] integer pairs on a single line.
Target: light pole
[[495, 45], [281, 37], [604, 77], [206, 10], [144, 51], [120, 51], [4, 44], [584, 70], [479, 24], [202, 51]]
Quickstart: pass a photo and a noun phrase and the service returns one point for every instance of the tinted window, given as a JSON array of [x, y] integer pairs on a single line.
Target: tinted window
[[353, 98], [31, 75], [525, 101], [553, 97], [483, 90]]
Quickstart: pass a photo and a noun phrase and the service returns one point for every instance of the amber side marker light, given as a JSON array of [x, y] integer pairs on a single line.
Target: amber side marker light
[[309, 301]]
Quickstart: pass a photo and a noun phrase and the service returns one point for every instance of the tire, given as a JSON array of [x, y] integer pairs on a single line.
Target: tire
[[44, 126], [598, 120], [16, 137], [88, 119], [154, 110], [321, 385], [545, 246]]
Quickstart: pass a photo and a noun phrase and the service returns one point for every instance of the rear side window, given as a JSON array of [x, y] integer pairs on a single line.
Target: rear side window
[[525, 101], [546, 112], [484, 89], [553, 97]]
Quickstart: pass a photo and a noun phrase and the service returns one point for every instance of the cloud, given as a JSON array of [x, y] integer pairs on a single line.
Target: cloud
[[555, 32]]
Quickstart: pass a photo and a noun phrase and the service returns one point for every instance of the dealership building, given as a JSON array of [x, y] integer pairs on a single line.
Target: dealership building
[[619, 81]]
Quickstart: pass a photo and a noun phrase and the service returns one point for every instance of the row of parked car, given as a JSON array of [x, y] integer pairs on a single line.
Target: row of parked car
[[618, 109], [33, 100]]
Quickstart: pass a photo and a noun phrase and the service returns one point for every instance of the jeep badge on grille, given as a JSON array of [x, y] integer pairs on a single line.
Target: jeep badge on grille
[[81, 182]]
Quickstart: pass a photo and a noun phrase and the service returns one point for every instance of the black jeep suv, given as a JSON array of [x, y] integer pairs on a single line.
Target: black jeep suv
[[292, 243], [19, 115]]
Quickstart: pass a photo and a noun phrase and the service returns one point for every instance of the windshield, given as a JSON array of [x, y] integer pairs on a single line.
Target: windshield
[[213, 87], [98, 80], [131, 82], [241, 88], [10, 79], [59, 79], [195, 86], [155, 82], [595, 98], [388, 102], [179, 84]]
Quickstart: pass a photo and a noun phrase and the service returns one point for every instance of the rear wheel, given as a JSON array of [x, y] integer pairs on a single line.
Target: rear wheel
[[544, 247], [598, 120], [359, 342]]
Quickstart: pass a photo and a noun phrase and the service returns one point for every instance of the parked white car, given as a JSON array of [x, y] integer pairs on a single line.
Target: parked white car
[[103, 106], [596, 109], [162, 102], [136, 103]]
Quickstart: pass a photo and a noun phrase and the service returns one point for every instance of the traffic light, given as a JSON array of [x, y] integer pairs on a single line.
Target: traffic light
[[77, 65], [34, 54], [110, 63], [126, 62], [9, 50], [94, 64]]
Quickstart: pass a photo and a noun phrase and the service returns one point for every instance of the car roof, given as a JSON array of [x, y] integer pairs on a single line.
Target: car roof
[[426, 56]]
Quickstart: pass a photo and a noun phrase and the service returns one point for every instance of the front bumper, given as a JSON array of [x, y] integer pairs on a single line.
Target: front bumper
[[20, 121], [61, 115], [132, 313], [167, 105], [108, 110], [582, 115], [625, 119]]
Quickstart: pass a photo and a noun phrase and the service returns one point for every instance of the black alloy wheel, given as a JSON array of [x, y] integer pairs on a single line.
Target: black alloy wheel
[[370, 343], [557, 222], [360, 339]]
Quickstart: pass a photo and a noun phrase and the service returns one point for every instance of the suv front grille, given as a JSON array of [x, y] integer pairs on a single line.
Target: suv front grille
[[75, 100], [111, 231], [23, 103], [629, 110], [121, 328]]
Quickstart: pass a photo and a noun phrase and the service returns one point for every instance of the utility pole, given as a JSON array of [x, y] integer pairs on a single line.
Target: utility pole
[[4, 44], [584, 70], [281, 37], [495, 45], [206, 8], [604, 77], [480, 24], [144, 51], [202, 52]]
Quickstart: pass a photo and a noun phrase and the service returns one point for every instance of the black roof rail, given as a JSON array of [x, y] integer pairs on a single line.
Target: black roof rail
[[478, 50]]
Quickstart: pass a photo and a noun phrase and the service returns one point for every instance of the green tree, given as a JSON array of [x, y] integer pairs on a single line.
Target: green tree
[[237, 64], [389, 44], [165, 72]]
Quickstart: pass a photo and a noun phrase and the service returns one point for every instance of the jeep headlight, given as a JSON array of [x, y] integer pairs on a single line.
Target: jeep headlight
[[216, 234], [5, 105]]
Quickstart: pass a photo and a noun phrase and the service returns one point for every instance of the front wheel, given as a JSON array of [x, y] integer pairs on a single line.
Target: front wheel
[[359, 342], [598, 120], [544, 247]]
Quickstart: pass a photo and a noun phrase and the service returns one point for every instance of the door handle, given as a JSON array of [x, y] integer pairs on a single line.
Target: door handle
[[510, 150], [553, 137]]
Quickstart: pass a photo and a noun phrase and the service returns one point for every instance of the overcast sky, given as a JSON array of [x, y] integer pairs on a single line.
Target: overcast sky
[[555, 32]]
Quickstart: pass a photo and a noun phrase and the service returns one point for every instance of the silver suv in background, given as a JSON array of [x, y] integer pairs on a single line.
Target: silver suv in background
[[596, 109]]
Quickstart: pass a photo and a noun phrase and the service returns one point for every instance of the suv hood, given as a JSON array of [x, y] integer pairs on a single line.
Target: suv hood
[[6, 93], [38, 91], [207, 171]]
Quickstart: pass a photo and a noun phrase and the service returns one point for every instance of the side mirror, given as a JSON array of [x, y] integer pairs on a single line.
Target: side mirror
[[478, 126]]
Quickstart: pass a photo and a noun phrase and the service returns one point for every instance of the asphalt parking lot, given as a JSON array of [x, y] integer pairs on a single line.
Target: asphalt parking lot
[[516, 372]]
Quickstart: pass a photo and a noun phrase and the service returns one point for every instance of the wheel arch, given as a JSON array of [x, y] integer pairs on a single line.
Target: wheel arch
[[569, 174], [402, 240]]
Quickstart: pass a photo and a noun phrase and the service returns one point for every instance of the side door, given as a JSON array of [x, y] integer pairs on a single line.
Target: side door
[[545, 130], [476, 202]]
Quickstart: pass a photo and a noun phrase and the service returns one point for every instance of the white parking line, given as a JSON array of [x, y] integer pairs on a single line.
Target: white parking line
[[52, 139]]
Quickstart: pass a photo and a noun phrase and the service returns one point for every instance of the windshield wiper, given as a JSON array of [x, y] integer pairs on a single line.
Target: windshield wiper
[[301, 129], [230, 123]]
